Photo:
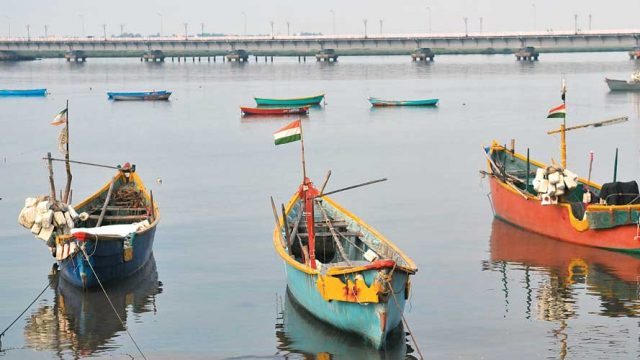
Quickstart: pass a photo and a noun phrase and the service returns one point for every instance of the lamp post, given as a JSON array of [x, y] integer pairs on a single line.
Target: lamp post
[[589, 22], [535, 13], [28, 33], [82, 24], [46, 31], [121, 30], [575, 23], [244, 16], [186, 31], [333, 22], [481, 24], [381, 21], [466, 28], [272, 34], [160, 15], [288, 29], [364, 21], [9, 22], [104, 31], [201, 29], [429, 18]]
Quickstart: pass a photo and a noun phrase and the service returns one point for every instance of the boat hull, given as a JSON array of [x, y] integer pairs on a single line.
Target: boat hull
[[30, 92], [311, 100], [275, 111], [557, 221], [373, 321], [621, 85], [139, 96], [107, 259], [426, 102]]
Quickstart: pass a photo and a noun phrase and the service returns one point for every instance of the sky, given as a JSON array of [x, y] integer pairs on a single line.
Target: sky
[[66, 17]]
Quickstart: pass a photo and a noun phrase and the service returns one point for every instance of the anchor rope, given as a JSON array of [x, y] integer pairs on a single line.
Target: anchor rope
[[49, 283], [404, 320], [112, 306]]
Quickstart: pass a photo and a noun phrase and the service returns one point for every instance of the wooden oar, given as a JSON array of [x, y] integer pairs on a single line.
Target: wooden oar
[[334, 235], [106, 202], [594, 124], [326, 180], [275, 215], [294, 232], [84, 163]]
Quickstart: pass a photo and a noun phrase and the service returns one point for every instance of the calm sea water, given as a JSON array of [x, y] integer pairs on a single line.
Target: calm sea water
[[483, 290]]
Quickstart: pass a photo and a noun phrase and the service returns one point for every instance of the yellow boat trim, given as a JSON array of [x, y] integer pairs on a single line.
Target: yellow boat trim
[[337, 270], [281, 99], [139, 185], [332, 288]]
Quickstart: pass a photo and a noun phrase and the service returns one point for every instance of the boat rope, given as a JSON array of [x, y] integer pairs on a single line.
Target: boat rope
[[25, 310], [112, 306], [49, 283], [404, 320]]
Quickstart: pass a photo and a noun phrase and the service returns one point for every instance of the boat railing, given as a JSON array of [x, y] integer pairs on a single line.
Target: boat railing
[[634, 201]]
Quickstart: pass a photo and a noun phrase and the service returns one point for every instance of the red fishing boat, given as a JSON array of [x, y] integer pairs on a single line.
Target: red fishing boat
[[275, 110], [553, 201]]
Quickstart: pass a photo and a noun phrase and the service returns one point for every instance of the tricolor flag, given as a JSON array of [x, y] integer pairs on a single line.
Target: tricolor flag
[[289, 133], [61, 118], [557, 112]]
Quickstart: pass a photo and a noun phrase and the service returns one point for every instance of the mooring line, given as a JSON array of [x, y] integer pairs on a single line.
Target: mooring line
[[112, 306], [49, 282]]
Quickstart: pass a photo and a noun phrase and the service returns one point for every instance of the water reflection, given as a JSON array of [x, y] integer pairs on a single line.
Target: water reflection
[[299, 335], [82, 323], [564, 270]]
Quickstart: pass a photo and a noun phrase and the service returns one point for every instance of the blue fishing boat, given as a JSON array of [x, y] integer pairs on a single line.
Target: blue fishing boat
[[301, 101], [26, 92], [425, 102], [139, 95], [113, 238], [340, 269]]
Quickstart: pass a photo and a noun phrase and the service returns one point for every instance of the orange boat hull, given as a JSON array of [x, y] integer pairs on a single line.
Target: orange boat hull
[[556, 221]]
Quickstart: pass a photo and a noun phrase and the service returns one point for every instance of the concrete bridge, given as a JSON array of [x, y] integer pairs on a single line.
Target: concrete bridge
[[280, 45]]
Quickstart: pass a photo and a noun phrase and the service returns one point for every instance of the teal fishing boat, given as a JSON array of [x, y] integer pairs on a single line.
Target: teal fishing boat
[[425, 102], [338, 268], [25, 92], [310, 100]]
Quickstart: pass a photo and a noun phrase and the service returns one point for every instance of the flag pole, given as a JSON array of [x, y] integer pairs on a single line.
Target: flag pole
[[67, 188], [304, 166]]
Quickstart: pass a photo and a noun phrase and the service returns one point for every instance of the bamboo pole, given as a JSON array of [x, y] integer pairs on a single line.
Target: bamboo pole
[[52, 185], [526, 184], [294, 233], [563, 145], [324, 183], [335, 236], [286, 228], [85, 163], [67, 188], [275, 215], [153, 209], [106, 202], [615, 167], [352, 187]]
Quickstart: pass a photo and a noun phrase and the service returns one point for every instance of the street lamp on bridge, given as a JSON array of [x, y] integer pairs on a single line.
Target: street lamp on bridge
[[381, 21], [104, 31], [466, 27], [333, 22], [272, 34], [160, 15], [46, 31], [365, 27], [186, 32], [28, 33]]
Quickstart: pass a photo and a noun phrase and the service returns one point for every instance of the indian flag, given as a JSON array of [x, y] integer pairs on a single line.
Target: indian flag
[[557, 112], [61, 118], [289, 133]]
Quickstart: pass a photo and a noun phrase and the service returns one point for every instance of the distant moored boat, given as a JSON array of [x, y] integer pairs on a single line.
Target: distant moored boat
[[140, 95], [26, 92], [275, 110], [424, 102], [310, 100]]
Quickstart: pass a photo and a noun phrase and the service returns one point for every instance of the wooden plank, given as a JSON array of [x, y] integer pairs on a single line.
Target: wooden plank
[[119, 217]]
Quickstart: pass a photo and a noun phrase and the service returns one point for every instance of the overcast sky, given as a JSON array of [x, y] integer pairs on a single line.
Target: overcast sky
[[65, 17]]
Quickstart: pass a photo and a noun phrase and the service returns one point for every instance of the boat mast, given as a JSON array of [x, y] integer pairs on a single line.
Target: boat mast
[[308, 197], [563, 135], [67, 188]]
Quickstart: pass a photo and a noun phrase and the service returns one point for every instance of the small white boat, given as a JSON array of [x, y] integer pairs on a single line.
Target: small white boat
[[632, 84]]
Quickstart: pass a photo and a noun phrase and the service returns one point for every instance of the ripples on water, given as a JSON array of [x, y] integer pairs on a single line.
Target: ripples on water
[[484, 288]]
